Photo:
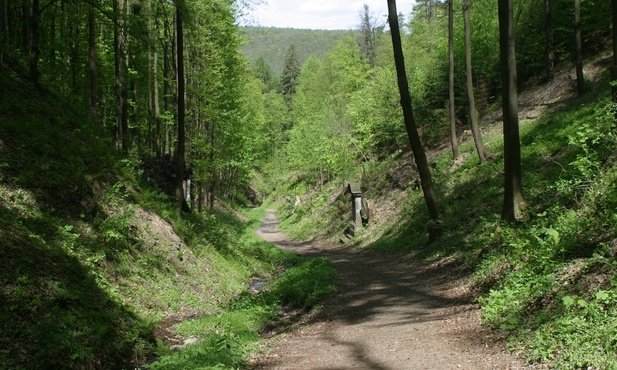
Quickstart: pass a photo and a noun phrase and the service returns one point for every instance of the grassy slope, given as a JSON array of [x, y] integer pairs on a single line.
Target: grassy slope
[[548, 283], [91, 257]]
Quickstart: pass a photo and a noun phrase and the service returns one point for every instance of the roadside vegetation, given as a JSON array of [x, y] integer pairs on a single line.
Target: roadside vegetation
[[95, 266]]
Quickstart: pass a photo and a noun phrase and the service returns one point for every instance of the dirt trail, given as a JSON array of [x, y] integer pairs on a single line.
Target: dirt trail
[[389, 313]]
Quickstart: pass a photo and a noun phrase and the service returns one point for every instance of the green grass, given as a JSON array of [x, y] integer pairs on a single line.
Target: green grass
[[227, 338]]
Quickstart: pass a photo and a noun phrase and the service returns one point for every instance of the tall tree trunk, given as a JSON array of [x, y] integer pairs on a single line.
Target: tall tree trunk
[[471, 99], [4, 27], [26, 33], [614, 68], [125, 73], [580, 79], [150, 136], [430, 195], [550, 53], [181, 109], [167, 75], [34, 40], [513, 189], [157, 108], [92, 59], [166, 93], [117, 69], [211, 185], [452, 108]]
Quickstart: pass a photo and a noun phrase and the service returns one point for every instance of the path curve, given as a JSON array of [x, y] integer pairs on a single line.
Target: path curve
[[389, 313]]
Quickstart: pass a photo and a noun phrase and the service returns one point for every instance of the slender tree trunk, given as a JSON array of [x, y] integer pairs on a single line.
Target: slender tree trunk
[[181, 109], [4, 27], [26, 18], [473, 114], [117, 69], [580, 79], [430, 195], [211, 186], [150, 73], [166, 92], [75, 49], [157, 108], [150, 136], [167, 75], [550, 53], [135, 114], [614, 68], [125, 72], [513, 190], [34, 40], [92, 59], [452, 108]]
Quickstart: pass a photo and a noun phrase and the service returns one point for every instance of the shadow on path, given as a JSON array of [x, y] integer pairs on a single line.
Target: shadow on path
[[389, 313]]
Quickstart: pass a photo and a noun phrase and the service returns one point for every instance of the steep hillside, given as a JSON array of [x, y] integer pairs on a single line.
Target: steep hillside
[[91, 256], [272, 43], [547, 283]]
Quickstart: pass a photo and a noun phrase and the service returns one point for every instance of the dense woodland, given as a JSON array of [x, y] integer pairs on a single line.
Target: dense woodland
[[181, 97], [271, 44]]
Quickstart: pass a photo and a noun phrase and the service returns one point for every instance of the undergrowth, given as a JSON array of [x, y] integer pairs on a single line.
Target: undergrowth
[[92, 256], [225, 340]]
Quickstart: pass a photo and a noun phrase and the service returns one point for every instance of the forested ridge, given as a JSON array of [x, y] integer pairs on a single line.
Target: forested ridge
[[138, 142], [271, 44]]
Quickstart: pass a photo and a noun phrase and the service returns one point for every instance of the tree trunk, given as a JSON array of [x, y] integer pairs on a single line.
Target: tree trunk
[[211, 185], [157, 108], [167, 90], [550, 53], [614, 69], [428, 188], [117, 68], [580, 79], [34, 40], [150, 136], [473, 114], [452, 108], [513, 190], [4, 28], [181, 109], [125, 73], [92, 59]]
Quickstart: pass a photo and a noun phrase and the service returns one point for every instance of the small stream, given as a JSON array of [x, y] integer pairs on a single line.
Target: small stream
[[257, 285]]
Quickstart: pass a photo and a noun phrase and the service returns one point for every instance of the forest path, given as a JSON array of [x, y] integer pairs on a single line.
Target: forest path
[[389, 313]]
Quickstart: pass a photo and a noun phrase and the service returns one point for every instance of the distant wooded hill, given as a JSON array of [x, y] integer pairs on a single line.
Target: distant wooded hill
[[273, 43]]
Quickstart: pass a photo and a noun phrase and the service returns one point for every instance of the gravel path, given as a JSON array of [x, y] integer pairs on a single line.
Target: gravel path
[[389, 313]]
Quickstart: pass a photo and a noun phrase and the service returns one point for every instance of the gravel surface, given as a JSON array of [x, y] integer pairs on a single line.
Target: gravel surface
[[388, 313]]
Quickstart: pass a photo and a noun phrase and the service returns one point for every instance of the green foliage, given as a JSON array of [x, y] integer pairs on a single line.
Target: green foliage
[[289, 76], [87, 263], [271, 44], [376, 115], [226, 338], [306, 284], [542, 292]]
